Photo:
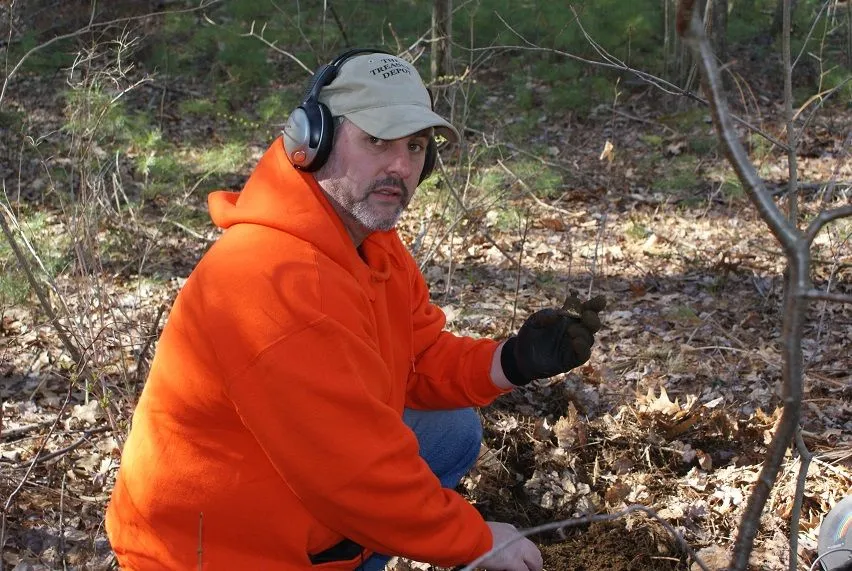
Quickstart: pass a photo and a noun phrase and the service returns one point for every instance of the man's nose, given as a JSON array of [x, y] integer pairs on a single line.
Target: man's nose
[[402, 160]]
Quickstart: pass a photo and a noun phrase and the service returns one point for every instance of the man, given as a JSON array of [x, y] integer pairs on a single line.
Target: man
[[305, 408]]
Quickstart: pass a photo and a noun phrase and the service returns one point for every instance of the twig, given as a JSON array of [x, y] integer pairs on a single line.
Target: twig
[[824, 218], [529, 191], [152, 334], [188, 230], [21, 431], [810, 32], [806, 457], [537, 157], [598, 240], [61, 452], [828, 296], [645, 121], [658, 82], [61, 553], [17, 490], [842, 156], [91, 26], [526, 228], [792, 144], [339, 23], [251, 34], [200, 550], [573, 522], [462, 205], [46, 306]]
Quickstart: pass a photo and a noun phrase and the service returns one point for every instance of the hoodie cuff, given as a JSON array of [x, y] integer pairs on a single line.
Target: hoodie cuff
[[510, 364]]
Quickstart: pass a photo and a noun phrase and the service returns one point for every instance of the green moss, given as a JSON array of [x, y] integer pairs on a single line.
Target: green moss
[[653, 141], [703, 145], [678, 175], [637, 231], [733, 189]]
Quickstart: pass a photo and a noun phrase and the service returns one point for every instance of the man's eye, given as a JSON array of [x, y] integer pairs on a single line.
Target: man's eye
[[416, 147], [375, 141]]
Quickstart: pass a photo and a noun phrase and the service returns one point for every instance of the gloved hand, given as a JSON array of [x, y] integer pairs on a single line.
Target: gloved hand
[[552, 341]]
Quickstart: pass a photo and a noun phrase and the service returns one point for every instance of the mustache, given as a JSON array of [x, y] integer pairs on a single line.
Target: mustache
[[390, 181]]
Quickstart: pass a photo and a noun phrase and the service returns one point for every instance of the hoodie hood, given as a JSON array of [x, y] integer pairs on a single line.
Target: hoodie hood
[[280, 197]]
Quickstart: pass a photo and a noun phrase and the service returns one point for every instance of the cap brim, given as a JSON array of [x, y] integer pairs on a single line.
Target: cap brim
[[397, 121]]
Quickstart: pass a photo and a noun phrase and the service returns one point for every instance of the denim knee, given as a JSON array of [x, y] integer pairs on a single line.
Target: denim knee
[[449, 441], [469, 431]]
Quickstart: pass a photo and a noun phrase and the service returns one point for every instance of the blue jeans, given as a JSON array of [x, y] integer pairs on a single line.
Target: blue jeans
[[449, 443]]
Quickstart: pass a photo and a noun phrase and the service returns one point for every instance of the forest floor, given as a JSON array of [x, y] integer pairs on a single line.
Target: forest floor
[[673, 412]]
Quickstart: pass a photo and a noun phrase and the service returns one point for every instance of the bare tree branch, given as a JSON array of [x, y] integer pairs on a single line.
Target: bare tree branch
[[792, 144], [616, 64], [252, 34], [786, 234], [796, 247], [822, 8], [827, 296], [44, 442], [466, 210], [824, 218], [806, 457], [77, 355], [91, 26], [62, 451]]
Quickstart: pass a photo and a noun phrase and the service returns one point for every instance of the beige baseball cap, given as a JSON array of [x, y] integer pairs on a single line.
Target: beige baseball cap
[[384, 96]]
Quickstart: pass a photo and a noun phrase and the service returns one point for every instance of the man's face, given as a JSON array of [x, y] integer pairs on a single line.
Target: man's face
[[370, 181]]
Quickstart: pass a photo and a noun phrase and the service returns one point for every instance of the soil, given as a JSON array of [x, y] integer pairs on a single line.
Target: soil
[[614, 547]]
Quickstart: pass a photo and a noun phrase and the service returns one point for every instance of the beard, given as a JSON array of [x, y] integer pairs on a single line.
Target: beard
[[372, 217]]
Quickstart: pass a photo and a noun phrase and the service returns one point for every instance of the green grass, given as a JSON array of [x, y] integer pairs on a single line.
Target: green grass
[[50, 242], [733, 189], [223, 159], [678, 175], [653, 141], [638, 232], [703, 145], [507, 218], [686, 120]]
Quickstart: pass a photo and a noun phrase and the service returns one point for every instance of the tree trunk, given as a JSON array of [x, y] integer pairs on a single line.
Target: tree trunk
[[720, 29], [778, 18], [849, 34], [442, 25]]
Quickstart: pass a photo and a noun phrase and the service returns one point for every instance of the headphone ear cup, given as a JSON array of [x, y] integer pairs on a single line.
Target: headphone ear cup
[[308, 136], [322, 134], [430, 160]]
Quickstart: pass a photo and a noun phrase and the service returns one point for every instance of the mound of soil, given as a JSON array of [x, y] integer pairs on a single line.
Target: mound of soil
[[612, 547]]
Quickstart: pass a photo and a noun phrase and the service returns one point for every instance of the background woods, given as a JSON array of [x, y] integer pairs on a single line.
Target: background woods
[[589, 163]]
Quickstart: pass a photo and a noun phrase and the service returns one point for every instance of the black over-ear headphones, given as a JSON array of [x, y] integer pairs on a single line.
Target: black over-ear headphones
[[309, 131]]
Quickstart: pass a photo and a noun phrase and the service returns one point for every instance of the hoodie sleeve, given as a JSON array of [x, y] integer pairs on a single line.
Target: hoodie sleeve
[[347, 455], [449, 371]]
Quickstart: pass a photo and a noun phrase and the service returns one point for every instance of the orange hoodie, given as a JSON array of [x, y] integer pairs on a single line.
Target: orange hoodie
[[270, 428]]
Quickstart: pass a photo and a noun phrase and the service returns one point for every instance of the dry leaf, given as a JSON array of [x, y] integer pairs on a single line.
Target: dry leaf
[[607, 153], [714, 557], [90, 413], [566, 429], [617, 492]]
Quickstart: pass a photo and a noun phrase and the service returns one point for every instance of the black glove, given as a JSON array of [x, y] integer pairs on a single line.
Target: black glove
[[552, 341]]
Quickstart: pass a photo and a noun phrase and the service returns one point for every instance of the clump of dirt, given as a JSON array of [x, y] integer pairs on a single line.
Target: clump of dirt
[[611, 546]]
